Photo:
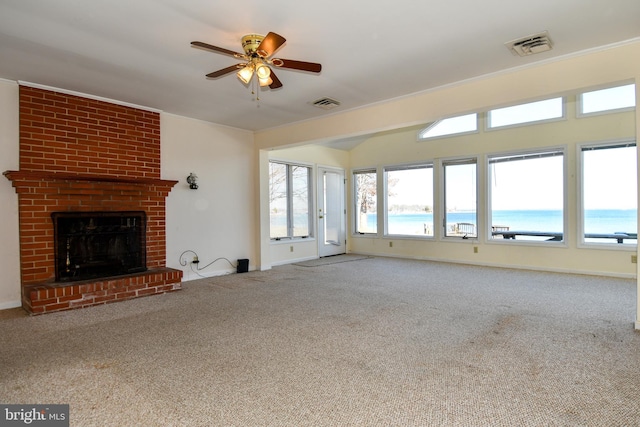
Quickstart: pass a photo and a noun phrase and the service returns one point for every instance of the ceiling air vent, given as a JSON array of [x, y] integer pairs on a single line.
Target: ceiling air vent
[[325, 103], [535, 43]]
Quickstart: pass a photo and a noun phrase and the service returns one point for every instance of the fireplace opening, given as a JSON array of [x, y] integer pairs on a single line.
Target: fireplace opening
[[91, 245]]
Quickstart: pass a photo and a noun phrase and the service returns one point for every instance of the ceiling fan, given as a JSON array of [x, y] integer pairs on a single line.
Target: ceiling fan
[[257, 60]]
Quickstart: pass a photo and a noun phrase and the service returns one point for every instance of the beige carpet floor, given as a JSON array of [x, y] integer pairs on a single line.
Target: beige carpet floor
[[373, 342], [334, 259]]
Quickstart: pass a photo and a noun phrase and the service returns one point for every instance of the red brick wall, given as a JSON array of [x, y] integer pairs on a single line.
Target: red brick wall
[[79, 154], [66, 133]]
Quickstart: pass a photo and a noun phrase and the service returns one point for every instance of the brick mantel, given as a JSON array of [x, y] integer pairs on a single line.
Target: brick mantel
[[67, 184], [82, 155], [20, 177]]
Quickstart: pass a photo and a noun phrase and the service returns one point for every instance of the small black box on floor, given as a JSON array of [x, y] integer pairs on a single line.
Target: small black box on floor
[[243, 266]]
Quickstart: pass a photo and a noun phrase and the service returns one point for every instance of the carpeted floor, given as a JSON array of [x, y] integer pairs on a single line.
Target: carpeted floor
[[365, 343], [335, 259]]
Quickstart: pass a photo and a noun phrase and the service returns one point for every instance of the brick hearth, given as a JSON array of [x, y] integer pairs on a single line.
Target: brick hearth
[[82, 155], [44, 298]]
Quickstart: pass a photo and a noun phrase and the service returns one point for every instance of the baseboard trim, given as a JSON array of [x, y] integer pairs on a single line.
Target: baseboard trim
[[10, 304], [189, 275], [293, 261], [507, 266]]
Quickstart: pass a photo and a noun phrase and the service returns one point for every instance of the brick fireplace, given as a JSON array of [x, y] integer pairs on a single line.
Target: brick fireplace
[[91, 159]]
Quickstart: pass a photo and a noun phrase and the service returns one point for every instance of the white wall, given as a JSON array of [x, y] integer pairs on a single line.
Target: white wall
[[9, 160], [219, 219]]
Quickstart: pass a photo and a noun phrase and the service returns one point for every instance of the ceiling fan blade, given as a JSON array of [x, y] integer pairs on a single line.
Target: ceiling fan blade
[[276, 81], [270, 44], [225, 71], [297, 65], [217, 49]]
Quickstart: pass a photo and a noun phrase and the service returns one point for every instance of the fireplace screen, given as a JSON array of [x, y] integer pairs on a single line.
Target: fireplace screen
[[90, 245]]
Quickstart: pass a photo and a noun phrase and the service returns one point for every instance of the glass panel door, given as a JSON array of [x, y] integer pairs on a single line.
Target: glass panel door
[[331, 212]]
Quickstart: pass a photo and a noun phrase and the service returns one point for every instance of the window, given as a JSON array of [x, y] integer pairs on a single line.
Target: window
[[451, 126], [460, 198], [548, 109], [609, 194], [609, 100], [289, 200], [409, 200], [527, 196], [366, 201]]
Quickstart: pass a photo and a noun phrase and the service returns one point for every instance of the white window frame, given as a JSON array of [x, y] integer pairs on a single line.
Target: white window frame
[[443, 163], [355, 207], [562, 117], [580, 192], [385, 207], [421, 138], [565, 217], [579, 103], [310, 179]]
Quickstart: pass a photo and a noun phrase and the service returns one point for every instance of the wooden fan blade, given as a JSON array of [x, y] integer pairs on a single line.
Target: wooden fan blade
[[298, 65], [217, 49], [225, 71], [270, 44], [276, 81]]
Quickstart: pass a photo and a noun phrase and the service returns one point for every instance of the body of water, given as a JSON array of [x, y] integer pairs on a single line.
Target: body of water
[[605, 221], [596, 221]]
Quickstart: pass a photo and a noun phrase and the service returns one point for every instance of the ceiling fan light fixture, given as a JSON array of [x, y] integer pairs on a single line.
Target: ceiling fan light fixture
[[263, 71], [265, 81], [245, 74], [257, 59], [251, 42]]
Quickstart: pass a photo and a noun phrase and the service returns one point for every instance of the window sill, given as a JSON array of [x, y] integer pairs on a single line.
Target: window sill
[[289, 240]]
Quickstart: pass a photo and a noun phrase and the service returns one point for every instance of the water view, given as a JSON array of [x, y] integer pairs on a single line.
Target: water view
[[597, 221]]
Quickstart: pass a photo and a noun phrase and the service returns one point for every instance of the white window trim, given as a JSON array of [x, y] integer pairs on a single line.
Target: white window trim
[[312, 223], [580, 196], [354, 233], [563, 117], [580, 114], [441, 225], [449, 135], [566, 232], [404, 166]]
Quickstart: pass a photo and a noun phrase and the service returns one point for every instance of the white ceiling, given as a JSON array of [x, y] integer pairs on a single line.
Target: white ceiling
[[138, 51]]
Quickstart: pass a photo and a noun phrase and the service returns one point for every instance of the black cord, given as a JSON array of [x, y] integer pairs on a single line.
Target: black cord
[[183, 262], [217, 259]]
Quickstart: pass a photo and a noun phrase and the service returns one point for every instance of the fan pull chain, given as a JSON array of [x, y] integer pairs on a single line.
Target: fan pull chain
[[257, 89]]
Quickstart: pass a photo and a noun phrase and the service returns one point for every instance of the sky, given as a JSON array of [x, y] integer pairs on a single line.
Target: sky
[[609, 179]]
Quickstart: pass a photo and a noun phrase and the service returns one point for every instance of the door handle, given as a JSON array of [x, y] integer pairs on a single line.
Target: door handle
[[320, 217]]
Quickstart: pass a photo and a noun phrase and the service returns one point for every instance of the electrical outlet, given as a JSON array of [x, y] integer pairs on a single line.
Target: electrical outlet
[[634, 259], [390, 244], [475, 249]]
